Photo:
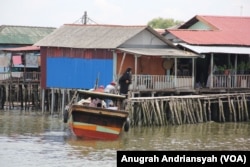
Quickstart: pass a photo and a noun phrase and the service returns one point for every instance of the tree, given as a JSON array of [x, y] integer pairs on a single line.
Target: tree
[[163, 23]]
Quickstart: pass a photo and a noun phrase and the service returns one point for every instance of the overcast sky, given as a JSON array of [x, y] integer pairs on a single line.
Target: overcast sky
[[55, 13]]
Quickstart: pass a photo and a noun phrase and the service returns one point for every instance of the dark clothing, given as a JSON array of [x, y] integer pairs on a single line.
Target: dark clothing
[[125, 81]]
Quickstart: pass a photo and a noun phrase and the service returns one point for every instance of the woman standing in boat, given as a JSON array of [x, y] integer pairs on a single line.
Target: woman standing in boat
[[125, 81]]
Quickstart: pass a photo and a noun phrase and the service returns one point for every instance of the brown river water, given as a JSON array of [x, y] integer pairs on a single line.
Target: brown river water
[[32, 139]]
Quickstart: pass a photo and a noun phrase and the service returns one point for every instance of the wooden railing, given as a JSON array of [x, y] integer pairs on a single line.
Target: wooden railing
[[4, 75], [158, 82], [152, 82], [231, 81], [20, 76]]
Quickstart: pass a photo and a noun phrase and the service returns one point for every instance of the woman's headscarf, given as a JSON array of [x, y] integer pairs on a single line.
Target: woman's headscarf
[[128, 69]]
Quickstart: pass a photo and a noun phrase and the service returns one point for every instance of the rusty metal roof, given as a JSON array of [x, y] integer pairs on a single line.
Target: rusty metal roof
[[224, 30], [23, 34]]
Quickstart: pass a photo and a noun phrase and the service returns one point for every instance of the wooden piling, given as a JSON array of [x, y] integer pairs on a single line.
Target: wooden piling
[[239, 108], [189, 109], [145, 111], [245, 106], [233, 109]]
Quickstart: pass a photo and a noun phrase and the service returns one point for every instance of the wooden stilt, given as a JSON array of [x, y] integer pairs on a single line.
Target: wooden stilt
[[144, 112], [25, 97], [21, 96], [184, 111], [52, 101], [172, 112], [230, 109], [233, 110], [209, 110], [239, 108], [158, 111], [242, 108], [43, 100], [178, 108], [189, 112], [63, 102], [200, 110], [221, 111], [176, 112], [245, 106]]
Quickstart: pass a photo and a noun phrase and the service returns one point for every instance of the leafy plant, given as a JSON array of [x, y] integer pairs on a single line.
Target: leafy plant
[[241, 66], [247, 66], [220, 69], [230, 66]]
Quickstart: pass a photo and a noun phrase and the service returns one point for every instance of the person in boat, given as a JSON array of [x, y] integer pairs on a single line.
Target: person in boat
[[110, 88], [112, 106], [84, 102], [96, 102], [93, 103], [99, 89], [125, 81]]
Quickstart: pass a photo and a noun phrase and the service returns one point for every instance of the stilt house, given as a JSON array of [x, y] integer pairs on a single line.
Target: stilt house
[[83, 56], [225, 43]]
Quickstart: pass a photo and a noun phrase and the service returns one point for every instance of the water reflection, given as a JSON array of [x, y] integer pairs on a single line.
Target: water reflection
[[44, 140], [208, 136]]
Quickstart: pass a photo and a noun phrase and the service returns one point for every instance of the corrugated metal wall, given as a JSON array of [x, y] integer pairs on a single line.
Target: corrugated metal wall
[[77, 68], [149, 65]]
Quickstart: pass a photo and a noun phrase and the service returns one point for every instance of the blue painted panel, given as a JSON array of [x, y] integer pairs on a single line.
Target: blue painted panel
[[65, 72]]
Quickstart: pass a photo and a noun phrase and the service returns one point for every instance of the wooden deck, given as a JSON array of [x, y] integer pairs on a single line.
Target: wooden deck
[[20, 77], [155, 85]]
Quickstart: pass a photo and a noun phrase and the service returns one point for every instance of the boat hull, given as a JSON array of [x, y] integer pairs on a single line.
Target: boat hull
[[93, 131], [98, 123]]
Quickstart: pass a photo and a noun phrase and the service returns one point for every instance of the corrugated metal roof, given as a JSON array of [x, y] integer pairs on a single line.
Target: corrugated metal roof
[[23, 34], [226, 30], [94, 36], [217, 49], [163, 52], [21, 49]]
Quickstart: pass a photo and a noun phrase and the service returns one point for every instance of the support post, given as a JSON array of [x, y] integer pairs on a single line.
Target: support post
[[43, 97], [211, 71], [63, 100], [175, 72], [52, 101]]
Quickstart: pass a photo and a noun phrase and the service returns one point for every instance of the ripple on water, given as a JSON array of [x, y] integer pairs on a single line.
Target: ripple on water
[[42, 151], [27, 139]]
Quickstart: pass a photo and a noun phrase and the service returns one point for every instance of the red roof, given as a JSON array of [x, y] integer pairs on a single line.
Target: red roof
[[225, 30], [23, 49]]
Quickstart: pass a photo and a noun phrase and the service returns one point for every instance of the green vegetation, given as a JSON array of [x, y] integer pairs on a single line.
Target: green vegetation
[[163, 23]]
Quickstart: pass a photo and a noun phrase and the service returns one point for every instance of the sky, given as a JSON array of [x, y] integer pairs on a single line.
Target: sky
[[55, 13]]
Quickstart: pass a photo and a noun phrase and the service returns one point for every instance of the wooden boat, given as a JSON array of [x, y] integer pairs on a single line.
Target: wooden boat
[[87, 121]]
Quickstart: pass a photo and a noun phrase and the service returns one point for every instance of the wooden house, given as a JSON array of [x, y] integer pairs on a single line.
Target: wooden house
[[24, 64], [225, 43], [12, 36], [17, 55], [83, 56]]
